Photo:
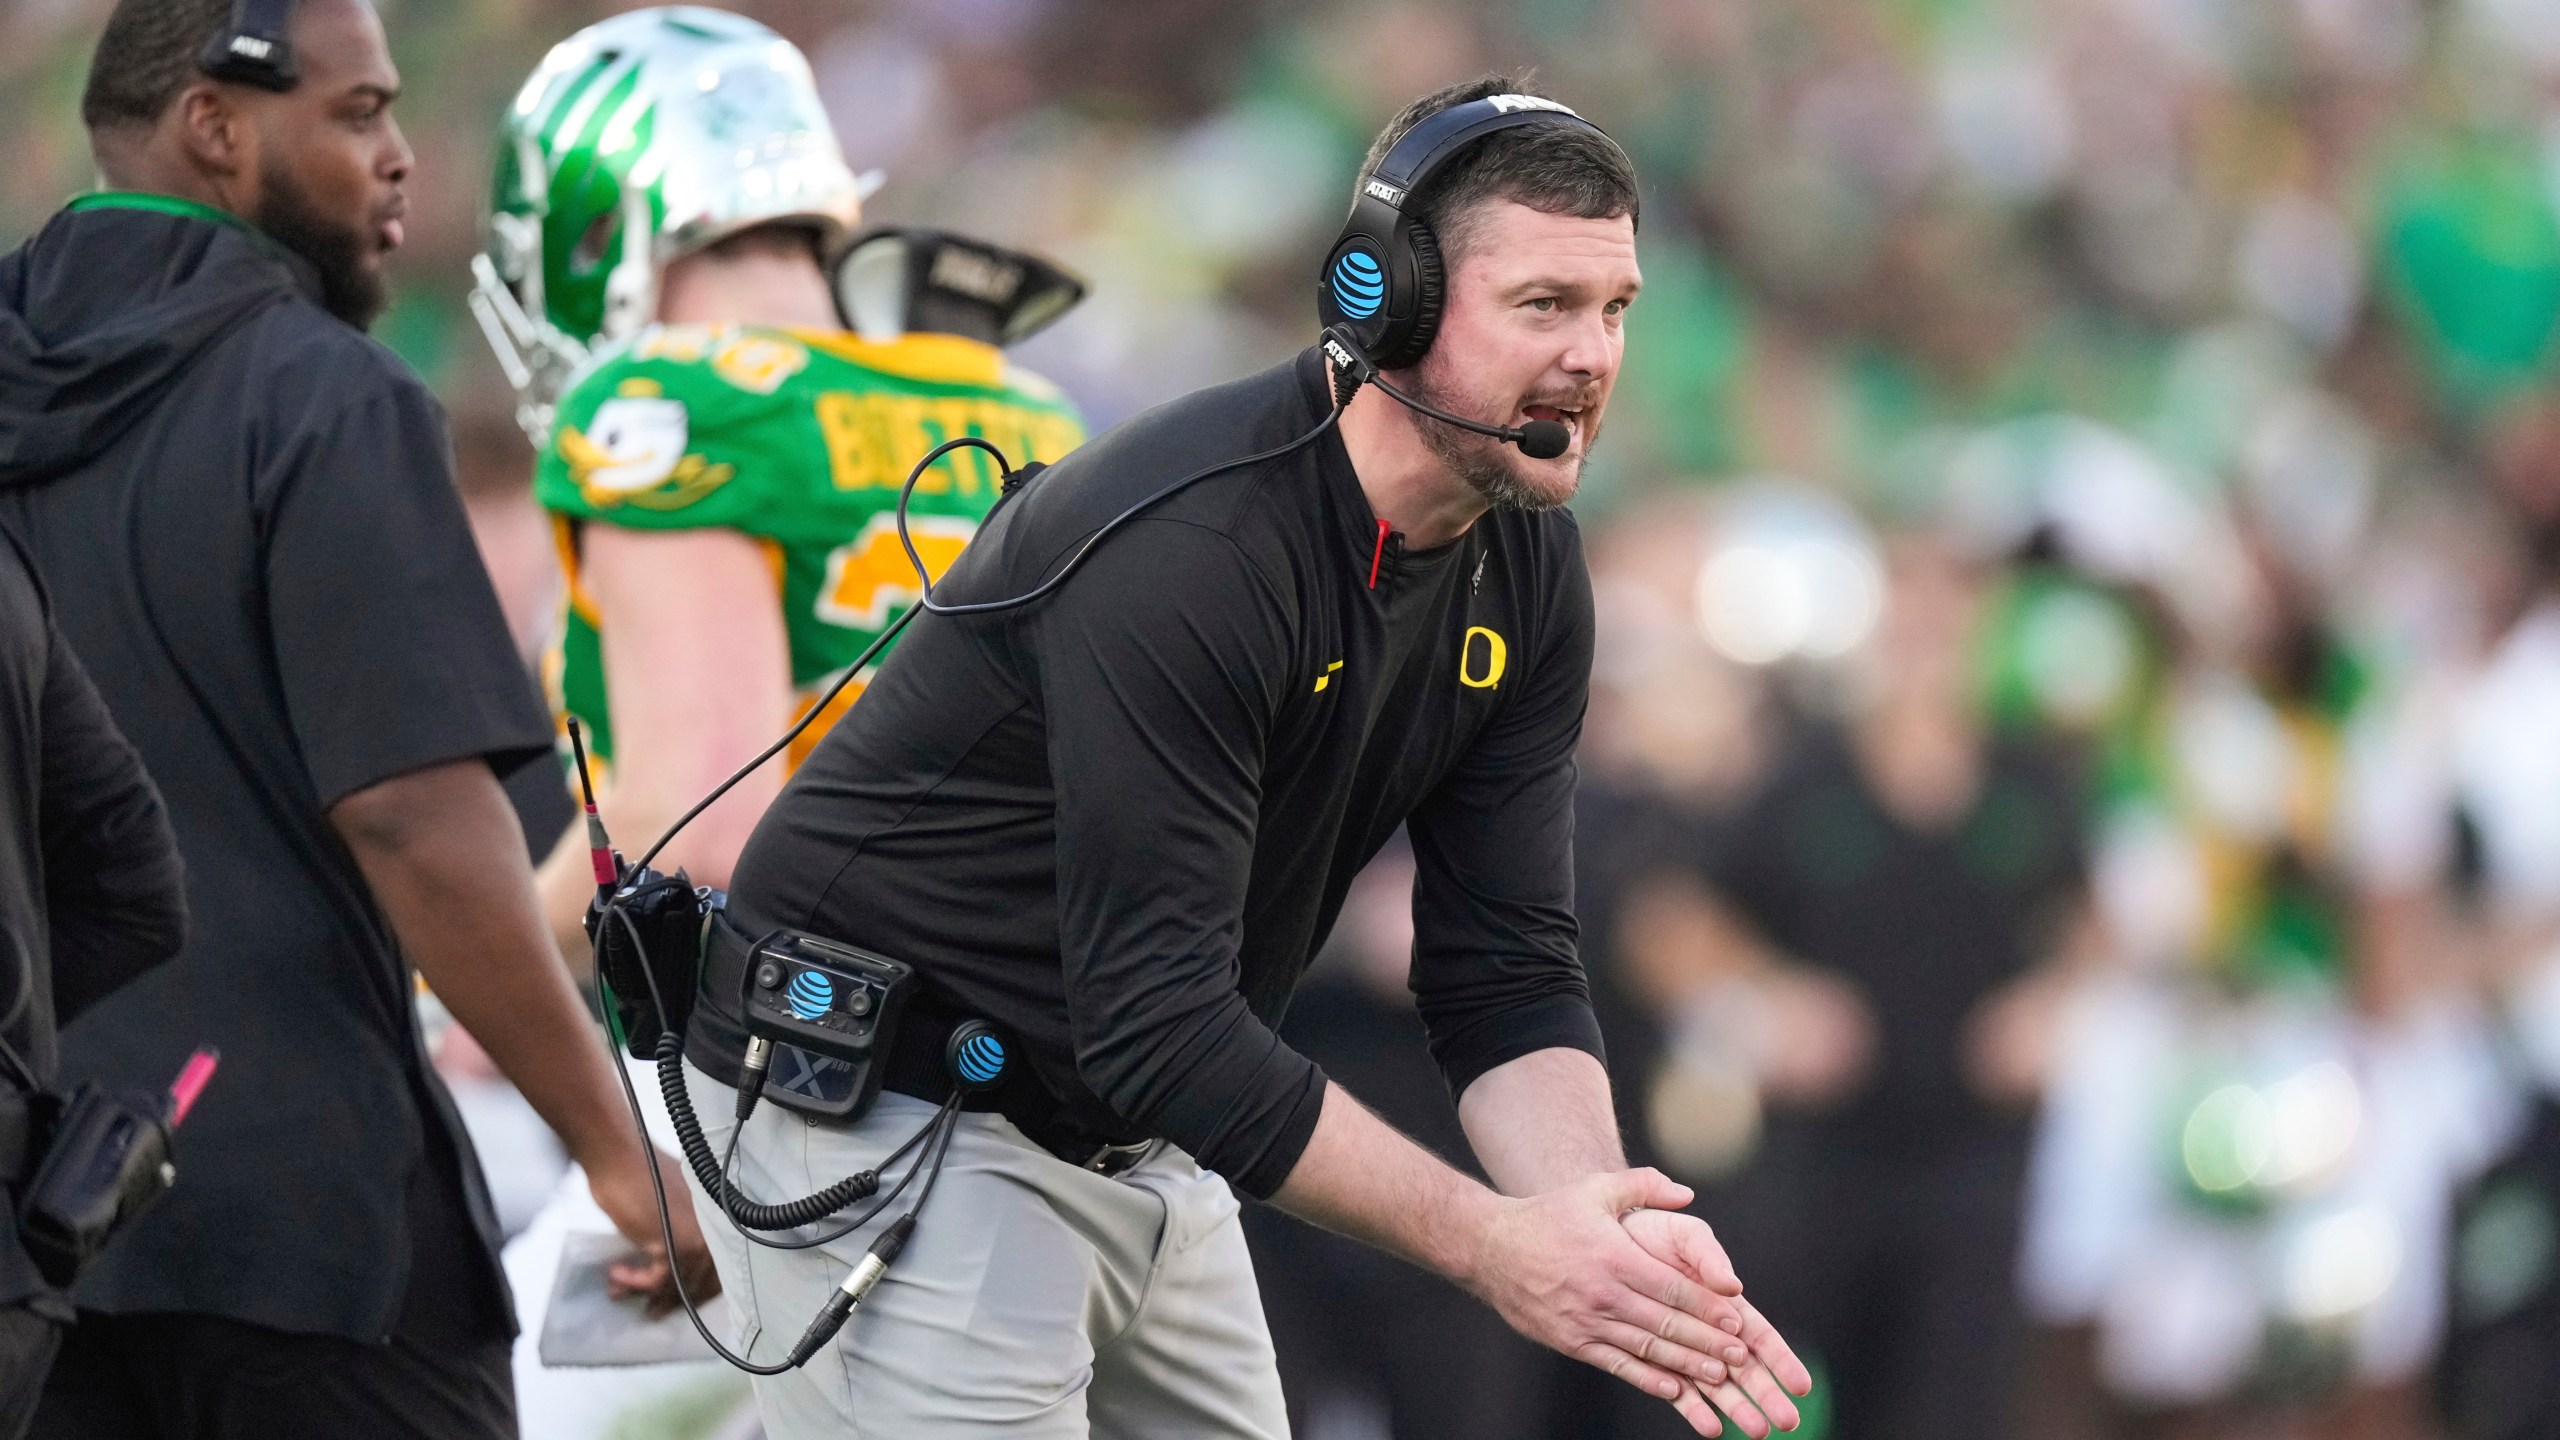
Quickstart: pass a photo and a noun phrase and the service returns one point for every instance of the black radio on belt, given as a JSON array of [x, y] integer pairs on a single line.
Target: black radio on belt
[[652, 951], [838, 1006]]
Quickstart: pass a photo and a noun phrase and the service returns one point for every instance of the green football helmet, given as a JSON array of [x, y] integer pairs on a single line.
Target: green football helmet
[[637, 140]]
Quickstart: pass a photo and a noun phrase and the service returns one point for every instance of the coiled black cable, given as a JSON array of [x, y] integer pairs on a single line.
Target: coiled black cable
[[754, 1215], [750, 1215], [944, 1120], [824, 1325]]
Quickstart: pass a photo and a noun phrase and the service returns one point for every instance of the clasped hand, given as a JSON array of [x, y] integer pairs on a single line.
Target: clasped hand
[[1606, 1271]]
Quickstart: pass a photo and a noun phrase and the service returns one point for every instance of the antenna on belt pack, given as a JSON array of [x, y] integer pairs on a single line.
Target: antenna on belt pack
[[640, 921], [608, 866]]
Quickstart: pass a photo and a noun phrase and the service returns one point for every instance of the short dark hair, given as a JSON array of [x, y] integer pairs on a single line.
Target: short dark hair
[[1558, 169], [145, 56]]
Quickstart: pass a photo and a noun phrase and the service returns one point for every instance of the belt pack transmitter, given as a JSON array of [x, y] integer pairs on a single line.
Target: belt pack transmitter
[[830, 1000]]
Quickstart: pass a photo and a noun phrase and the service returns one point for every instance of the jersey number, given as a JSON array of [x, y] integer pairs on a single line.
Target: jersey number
[[870, 579]]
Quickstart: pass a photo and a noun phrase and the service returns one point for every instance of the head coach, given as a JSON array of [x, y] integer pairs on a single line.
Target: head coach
[[1119, 820], [244, 511]]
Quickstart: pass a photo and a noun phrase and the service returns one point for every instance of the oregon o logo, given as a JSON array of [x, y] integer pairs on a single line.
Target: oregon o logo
[[1496, 656]]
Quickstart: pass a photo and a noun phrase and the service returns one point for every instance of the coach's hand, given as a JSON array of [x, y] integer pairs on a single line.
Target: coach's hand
[[1563, 1270], [1765, 1384]]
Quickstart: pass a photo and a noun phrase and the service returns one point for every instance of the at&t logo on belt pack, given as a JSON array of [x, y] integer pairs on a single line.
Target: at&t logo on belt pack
[[832, 1009]]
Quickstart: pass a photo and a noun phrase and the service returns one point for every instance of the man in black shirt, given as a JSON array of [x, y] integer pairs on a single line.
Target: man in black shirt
[[91, 896], [245, 511], [1119, 821], [1891, 892]]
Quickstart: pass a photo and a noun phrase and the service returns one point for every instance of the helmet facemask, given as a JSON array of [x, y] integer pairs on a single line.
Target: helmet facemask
[[638, 140]]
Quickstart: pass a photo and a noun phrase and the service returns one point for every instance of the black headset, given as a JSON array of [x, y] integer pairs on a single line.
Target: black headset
[[1383, 282], [252, 49]]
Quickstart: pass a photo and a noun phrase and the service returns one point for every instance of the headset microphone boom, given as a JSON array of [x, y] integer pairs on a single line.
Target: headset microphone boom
[[1539, 439]]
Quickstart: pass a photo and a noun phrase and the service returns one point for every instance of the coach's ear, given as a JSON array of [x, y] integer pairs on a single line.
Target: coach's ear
[[216, 137]]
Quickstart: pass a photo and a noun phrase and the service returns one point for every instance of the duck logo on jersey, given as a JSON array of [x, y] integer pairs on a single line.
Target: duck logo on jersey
[[633, 453]]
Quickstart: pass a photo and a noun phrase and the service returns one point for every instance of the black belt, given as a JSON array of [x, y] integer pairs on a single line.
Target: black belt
[[915, 1067]]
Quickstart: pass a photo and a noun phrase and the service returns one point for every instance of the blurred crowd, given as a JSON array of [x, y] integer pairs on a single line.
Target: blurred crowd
[[2071, 840]]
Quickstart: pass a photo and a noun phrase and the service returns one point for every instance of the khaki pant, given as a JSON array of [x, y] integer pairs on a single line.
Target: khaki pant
[[1035, 1300]]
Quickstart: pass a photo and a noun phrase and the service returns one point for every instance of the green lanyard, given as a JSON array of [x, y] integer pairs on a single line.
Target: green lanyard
[[161, 204]]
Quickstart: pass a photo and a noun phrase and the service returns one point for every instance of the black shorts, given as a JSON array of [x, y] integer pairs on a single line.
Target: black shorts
[[200, 1377]]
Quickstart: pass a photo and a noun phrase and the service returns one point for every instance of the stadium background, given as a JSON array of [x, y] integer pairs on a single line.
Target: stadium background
[[2294, 263]]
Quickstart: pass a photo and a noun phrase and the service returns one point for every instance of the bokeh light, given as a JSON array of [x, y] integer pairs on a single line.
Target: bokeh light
[[1791, 575]]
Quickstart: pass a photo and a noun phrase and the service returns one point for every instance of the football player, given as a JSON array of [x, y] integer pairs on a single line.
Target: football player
[[728, 392]]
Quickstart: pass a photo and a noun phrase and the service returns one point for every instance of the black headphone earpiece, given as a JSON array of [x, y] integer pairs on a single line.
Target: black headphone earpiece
[[1430, 293], [252, 49], [1384, 281]]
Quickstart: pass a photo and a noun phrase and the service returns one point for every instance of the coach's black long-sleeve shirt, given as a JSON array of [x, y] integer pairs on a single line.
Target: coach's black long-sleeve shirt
[[1120, 820]]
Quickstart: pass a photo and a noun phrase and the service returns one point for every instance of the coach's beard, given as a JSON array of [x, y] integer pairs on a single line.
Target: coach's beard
[[349, 288], [1497, 471]]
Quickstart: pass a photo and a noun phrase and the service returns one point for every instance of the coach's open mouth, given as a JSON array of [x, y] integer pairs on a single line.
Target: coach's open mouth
[[1569, 416]]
